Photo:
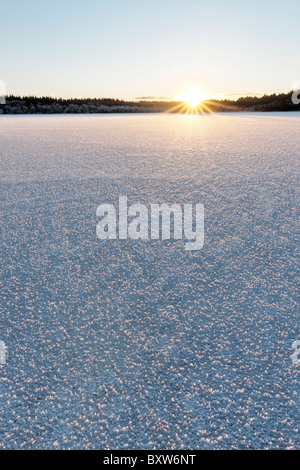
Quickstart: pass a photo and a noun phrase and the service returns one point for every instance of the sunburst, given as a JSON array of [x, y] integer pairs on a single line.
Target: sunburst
[[193, 97]]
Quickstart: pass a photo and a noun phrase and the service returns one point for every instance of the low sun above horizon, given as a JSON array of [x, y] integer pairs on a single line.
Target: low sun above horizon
[[193, 101], [193, 97]]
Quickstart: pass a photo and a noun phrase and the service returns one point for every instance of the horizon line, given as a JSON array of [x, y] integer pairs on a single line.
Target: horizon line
[[161, 99]]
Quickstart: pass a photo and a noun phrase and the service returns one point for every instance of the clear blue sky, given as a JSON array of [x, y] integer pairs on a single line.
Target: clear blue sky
[[132, 48]]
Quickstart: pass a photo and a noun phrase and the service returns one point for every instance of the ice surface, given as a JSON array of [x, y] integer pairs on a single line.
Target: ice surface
[[141, 344]]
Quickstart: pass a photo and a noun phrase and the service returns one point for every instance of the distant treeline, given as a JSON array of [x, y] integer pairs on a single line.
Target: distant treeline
[[280, 102], [48, 105]]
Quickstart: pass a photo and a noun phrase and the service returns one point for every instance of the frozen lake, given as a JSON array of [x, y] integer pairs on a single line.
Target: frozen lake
[[141, 344]]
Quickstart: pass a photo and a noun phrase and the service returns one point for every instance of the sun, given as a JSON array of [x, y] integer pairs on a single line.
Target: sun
[[193, 101], [193, 97]]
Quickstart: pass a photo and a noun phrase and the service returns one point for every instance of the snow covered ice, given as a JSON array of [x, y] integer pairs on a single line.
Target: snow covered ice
[[141, 344]]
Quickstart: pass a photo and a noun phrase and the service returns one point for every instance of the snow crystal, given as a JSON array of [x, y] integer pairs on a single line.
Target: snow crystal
[[142, 344]]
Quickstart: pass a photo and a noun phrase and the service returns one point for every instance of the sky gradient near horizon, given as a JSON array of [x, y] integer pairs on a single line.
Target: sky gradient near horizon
[[149, 48]]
